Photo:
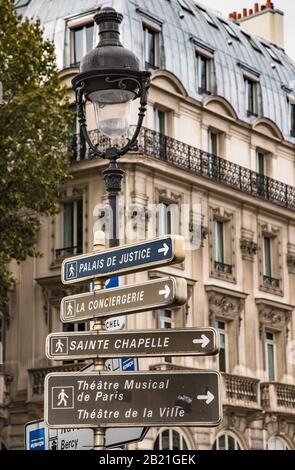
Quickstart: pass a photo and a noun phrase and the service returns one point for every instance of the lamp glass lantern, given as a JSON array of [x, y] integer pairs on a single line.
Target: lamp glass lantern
[[110, 78]]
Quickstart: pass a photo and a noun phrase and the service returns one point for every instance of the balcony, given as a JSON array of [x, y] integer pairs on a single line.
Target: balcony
[[62, 253], [223, 268], [37, 377], [240, 392], [278, 398], [271, 281], [200, 163]]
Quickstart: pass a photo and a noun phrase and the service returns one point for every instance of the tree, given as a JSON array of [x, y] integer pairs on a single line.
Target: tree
[[34, 122]]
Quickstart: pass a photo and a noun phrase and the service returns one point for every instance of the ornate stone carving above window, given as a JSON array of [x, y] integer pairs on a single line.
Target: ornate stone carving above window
[[224, 303], [247, 245], [291, 258], [274, 315]]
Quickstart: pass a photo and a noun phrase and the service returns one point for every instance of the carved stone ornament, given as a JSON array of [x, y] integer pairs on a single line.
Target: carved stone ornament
[[248, 249], [225, 304], [273, 316]]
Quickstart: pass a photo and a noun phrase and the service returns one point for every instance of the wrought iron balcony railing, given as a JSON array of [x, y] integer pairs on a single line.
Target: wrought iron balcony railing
[[222, 267], [271, 281], [201, 163], [62, 253]]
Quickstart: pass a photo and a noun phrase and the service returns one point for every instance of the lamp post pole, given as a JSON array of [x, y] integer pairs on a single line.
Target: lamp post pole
[[110, 78]]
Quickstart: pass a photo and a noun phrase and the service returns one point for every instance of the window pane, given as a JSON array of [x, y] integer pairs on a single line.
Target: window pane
[[68, 225], [261, 163], [292, 118], [222, 353], [203, 78], [175, 440], [89, 38], [214, 143], [78, 45], [231, 443], [221, 442], [250, 95], [149, 46], [219, 241], [267, 257], [270, 362], [165, 440]]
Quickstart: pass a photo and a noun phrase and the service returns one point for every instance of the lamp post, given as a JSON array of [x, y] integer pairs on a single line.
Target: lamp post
[[110, 78]]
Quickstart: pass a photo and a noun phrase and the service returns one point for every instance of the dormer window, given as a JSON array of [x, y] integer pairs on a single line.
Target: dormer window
[[252, 42], [81, 41], [206, 16], [251, 96], [151, 42], [229, 29], [272, 53], [204, 59]]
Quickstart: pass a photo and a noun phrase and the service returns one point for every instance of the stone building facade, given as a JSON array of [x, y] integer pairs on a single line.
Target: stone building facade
[[215, 162]]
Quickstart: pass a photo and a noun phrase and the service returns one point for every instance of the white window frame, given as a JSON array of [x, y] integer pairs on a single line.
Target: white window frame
[[227, 435], [75, 221], [259, 152], [270, 255], [254, 82], [170, 431], [156, 120], [201, 55], [74, 26], [155, 29], [274, 440], [216, 222], [291, 104], [271, 342], [223, 331], [218, 135]]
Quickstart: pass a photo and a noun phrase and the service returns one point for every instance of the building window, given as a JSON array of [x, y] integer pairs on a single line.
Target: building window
[[272, 53], [72, 229], [160, 123], [222, 357], [214, 143], [292, 119], [227, 441], [204, 74], [252, 42], [270, 356], [220, 238], [251, 96], [270, 254], [229, 29], [82, 42], [261, 163], [277, 443], [206, 15], [151, 47], [165, 222], [169, 439]]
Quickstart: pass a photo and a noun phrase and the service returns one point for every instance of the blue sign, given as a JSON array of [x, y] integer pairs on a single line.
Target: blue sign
[[128, 364], [123, 259], [37, 439]]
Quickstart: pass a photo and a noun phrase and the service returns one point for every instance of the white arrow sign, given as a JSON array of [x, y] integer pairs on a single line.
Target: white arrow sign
[[164, 250], [203, 341], [209, 397], [165, 292]]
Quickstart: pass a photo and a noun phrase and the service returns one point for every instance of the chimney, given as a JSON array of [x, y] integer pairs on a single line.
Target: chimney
[[263, 20]]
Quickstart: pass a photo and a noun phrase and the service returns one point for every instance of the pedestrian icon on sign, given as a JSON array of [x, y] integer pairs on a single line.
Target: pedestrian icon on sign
[[63, 397], [71, 270], [69, 309], [59, 346]]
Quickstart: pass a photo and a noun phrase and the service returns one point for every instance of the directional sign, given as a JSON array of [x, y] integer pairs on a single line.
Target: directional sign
[[153, 343], [163, 292], [39, 437], [124, 259], [178, 398], [115, 323]]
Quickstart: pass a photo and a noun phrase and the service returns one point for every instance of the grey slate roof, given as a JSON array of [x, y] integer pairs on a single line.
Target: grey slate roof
[[179, 25]]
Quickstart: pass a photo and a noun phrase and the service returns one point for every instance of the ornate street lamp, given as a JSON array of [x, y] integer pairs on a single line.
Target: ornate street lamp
[[110, 78]]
